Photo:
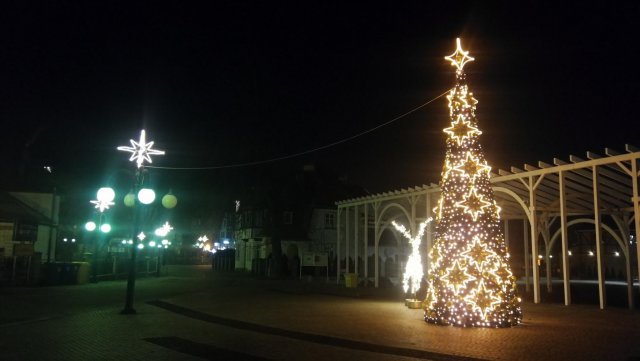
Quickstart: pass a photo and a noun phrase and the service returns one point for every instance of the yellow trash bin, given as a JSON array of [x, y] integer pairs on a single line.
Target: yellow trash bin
[[350, 280], [82, 275]]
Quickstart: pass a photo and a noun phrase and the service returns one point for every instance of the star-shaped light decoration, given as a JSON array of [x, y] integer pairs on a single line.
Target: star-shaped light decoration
[[102, 204], [473, 204], [459, 57], [141, 151], [461, 129], [167, 227], [164, 230], [457, 277], [471, 167], [141, 236], [478, 253], [201, 241], [483, 300]]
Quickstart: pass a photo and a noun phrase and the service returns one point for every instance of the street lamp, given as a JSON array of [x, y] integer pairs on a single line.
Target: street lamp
[[141, 151], [105, 197]]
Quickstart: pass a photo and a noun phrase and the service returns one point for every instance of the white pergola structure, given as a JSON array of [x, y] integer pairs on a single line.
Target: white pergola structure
[[577, 191]]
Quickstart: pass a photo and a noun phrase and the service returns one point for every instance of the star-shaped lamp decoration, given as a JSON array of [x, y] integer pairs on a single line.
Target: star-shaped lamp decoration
[[472, 167], [477, 253], [102, 204], [473, 204], [461, 129], [483, 300], [459, 57], [141, 151], [457, 277], [164, 230], [167, 227]]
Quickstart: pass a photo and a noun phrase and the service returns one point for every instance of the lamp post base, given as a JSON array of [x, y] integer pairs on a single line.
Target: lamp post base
[[128, 311], [413, 303]]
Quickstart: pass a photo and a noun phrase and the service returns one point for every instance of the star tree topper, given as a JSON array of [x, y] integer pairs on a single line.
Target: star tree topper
[[459, 57], [141, 150]]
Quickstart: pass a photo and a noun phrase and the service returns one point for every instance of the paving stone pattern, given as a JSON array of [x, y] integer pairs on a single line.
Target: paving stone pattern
[[196, 314]]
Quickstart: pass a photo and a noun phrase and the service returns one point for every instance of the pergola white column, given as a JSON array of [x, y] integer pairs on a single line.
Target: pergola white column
[[413, 224], [566, 278], [376, 209], [346, 239], [544, 232], [636, 207], [534, 239], [598, 230], [527, 285], [338, 245], [355, 238], [366, 241]]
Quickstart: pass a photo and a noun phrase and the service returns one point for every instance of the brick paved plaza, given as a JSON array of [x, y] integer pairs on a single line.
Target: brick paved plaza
[[195, 314]]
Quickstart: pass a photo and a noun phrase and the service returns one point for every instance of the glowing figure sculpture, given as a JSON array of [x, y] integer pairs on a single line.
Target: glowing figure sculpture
[[470, 283], [414, 271]]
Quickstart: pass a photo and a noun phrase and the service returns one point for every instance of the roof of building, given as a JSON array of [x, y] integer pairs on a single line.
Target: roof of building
[[12, 209]]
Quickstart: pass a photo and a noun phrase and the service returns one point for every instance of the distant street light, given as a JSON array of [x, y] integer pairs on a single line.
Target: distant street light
[[105, 197]]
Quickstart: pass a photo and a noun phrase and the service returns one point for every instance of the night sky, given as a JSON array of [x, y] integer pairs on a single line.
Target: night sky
[[239, 82]]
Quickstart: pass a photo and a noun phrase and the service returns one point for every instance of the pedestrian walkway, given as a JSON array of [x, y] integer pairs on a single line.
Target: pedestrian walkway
[[233, 316]]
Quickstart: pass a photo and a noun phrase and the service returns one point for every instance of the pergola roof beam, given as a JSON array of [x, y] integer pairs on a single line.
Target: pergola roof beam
[[621, 182], [542, 194], [607, 186], [604, 170], [610, 152], [614, 185], [567, 167], [582, 178], [572, 188]]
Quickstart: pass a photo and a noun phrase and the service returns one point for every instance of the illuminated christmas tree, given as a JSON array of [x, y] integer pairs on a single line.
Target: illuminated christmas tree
[[470, 280]]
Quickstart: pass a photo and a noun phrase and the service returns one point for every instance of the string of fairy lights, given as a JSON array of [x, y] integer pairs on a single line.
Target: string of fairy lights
[[308, 151]]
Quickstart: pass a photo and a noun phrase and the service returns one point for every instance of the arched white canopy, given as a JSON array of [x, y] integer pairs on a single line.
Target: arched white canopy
[[580, 188]]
